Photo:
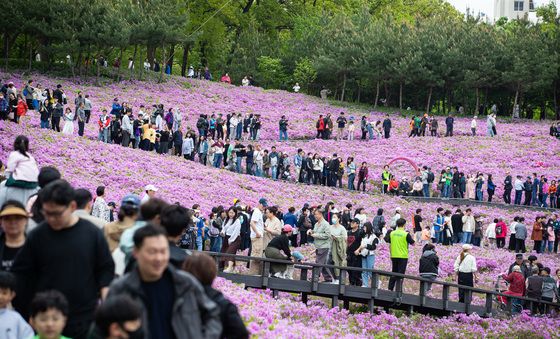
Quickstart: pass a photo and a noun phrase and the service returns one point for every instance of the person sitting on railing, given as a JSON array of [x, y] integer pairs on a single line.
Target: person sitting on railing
[[516, 282], [274, 250], [429, 265]]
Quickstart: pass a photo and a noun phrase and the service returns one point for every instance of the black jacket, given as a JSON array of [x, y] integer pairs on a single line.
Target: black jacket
[[232, 324], [457, 223], [429, 262]]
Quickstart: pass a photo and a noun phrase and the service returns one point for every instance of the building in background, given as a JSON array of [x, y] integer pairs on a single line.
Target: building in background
[[514, 9]]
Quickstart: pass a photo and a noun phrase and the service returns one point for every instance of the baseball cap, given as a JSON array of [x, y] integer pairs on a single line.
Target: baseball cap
[[13, 210], [356, 220], [131, 199], [150, 188], [263, 202], [519, 256], [398, 209], [467, 247], [287, 229]]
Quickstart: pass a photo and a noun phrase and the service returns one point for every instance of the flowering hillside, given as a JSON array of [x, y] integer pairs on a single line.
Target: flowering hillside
[[522, 148], [87, 163]]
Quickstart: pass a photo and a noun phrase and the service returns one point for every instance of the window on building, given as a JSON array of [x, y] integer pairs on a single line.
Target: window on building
[[531, 5], [518, 5]]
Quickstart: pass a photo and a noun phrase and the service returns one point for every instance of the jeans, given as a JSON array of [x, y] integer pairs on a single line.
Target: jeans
[[535, 199], [518, 195], [446, 191], [439, 237], [218, 159], [215, 244], [351, 178], [426, 190], [479, 195], [367, 262], [544, 199], [44, 124], [104, 135], [467, 237], [238, 164], [81, 126], [457, 237], [258, 170], [274, 171], [199, 243], [547, 245], [283, 135]]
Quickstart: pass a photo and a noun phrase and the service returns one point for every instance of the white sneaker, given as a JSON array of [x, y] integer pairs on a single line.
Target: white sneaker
[[334, 282], [278, 275]]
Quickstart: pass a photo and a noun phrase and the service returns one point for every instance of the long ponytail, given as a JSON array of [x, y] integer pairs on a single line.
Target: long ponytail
[[21, 144]]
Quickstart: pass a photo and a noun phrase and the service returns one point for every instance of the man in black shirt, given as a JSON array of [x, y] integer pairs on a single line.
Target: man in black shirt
[[355, 235], [508, 186], [67, 254], [457, 225], [418, 225], [174, 302]]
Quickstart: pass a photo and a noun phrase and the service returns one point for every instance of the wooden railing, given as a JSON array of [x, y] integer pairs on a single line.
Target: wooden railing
[[372, 295]]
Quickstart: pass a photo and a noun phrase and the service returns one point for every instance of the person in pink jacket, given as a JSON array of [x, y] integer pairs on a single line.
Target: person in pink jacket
[[501, 233], [21, 169]]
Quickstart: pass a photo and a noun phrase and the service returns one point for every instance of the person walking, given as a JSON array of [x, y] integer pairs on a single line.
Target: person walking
[[520, 235], [466, 269], [429, 265], [399, 240], [367, 252], [321, 236]]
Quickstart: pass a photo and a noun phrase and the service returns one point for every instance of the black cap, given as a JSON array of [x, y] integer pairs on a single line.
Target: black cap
[[356, 220], [519, 256]]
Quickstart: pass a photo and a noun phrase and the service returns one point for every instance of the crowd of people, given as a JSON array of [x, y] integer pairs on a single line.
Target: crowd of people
[[69, 266]]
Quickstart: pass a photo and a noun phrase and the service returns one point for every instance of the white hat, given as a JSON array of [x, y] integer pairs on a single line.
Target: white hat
[[150, 188], [467, 247], [398, 209]]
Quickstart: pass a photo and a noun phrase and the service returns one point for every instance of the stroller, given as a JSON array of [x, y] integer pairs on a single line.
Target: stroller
[[501, 286]]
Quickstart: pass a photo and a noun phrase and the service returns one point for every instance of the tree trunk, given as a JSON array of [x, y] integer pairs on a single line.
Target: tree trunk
[[163, 64], [376, 95], [30, 56], [151, 55], [386, 94], [543, 111], [97, 72], [6, 51], [477, 102], [556, 111], [429, 99], [170, 61], [133, 62], [400, 95], [185, 60], [120, 65], [515, 101], [343, 86]]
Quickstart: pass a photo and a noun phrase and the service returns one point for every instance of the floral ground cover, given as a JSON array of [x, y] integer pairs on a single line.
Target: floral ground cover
[[88, 163], [267, 317], [523, 147]]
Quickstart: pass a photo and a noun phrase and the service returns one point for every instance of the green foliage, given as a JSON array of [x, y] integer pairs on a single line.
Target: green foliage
[[305, 73], [271, 72]]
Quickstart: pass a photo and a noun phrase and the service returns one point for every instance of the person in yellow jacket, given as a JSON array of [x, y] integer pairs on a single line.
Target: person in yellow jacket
[[399, 239], [385, 178]]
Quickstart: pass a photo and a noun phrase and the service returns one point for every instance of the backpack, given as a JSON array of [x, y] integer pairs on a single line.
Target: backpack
[[214, 229], [186, 240], [498, 230], [25, 91], [200, 123], [431, 177]]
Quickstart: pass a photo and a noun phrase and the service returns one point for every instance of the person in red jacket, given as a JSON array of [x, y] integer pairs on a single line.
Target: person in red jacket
[[501, 233], [21, 109], [320, 127], [516, 281], [225, 78], [362, 176], [104, 122]]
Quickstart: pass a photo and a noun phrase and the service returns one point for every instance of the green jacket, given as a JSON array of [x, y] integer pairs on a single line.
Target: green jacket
[[399, 240], [321, 234], [385, 176]]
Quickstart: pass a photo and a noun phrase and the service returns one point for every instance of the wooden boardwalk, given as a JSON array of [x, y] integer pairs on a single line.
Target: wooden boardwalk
[[307, 284]]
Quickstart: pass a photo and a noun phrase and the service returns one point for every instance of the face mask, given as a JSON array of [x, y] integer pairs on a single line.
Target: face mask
[[335, 220]]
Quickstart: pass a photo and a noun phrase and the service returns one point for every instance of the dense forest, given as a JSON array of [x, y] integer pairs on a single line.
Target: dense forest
[[421, 54]]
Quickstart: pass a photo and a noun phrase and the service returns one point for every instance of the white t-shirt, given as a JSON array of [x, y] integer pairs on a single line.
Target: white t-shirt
[[257, 217]]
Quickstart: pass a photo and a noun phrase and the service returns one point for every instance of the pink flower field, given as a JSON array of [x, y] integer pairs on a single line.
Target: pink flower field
[[523, 148]]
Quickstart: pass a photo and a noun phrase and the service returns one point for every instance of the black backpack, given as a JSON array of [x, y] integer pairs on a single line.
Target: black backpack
[[431, 177]]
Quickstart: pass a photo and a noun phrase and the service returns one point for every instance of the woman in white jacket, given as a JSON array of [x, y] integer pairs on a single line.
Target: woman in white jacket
[[231, 232]]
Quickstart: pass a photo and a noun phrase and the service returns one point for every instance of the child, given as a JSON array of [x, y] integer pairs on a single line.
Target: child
[[351, 129], [426, 235], [12, 324], [48, 314]]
